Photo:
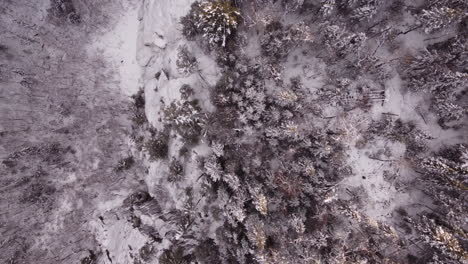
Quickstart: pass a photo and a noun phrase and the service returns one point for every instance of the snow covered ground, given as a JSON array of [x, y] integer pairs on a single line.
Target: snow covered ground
[[66, 94], [119, 48]]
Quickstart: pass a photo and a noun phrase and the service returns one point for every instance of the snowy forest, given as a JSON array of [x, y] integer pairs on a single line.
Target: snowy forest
[[234, 131]]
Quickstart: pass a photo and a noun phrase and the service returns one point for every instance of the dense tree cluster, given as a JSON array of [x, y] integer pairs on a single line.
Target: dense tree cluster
[[445, 177], [278, 41], [276, 161]]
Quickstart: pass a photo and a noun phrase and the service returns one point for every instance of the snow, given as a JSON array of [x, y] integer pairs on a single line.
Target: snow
[[405, 106], [120, 239], [158, 39], [161, 21], [310, 69], [402, 105], [382, 196], [119, 48]]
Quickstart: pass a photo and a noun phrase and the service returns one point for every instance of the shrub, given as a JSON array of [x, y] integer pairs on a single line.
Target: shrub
[[157, 147], [186, 62], [147, 252], [138, 108], [137, 198], [90, 259], [139, 99], [139, 117], [174, 255], [186, 91], [65, 9], [176, 171], [125, 164]]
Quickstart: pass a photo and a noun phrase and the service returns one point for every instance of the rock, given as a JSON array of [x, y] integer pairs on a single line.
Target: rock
[[159, 41]]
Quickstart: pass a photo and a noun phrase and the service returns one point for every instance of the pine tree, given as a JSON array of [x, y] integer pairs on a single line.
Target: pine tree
[[445, 177], [217, 21], [438, 18], [447, 109], [183, 114], [186, 118], [212, 168]]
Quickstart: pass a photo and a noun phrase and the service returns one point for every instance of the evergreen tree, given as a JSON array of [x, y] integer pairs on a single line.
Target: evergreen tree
[[217, 20], [437, 18]]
